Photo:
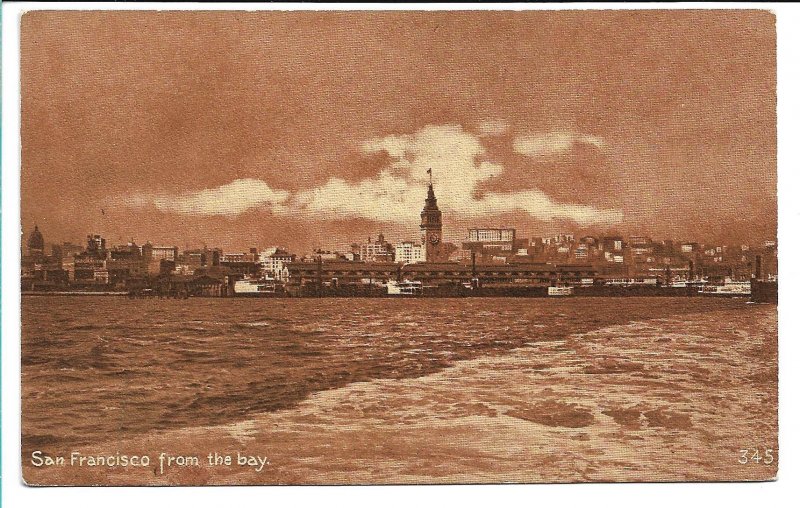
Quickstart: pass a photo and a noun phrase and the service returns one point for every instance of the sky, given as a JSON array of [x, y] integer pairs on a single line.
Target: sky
[[316, 129]]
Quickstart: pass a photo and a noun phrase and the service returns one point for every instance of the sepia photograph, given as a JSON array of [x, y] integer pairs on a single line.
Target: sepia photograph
[[398, 247]]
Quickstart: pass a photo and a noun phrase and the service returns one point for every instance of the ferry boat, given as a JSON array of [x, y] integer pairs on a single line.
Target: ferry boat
[[684, 283], [559, 291], [729, 287], [633, 281], [404, 288], [256, 287]]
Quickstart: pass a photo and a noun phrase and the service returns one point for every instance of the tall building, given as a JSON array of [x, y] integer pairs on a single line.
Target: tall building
[[485, 241], [377, 251], [38, 269], [273, 264], [168, 253], [240, 257], [409, 252], [36, 243], [492, 235], [159, 259], [96, 246], [431, 225]]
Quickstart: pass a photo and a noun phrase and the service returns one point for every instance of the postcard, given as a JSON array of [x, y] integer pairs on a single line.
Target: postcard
[[398, 247]]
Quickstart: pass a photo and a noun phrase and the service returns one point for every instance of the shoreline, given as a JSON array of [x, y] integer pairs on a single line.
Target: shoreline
[[611, 294], [74, 293]]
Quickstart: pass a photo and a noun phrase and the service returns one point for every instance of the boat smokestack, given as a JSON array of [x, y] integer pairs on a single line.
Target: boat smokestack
[[758, 267], [474, 281]]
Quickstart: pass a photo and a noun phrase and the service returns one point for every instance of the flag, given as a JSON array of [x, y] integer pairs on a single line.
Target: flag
[[430, 172]]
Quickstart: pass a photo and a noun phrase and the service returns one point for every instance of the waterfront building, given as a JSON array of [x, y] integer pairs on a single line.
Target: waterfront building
[[639, 241], [343, 273], [124, 262], [688, 248], [96, 246], [275, 263], [379, 251], [191, 260], [154, 255], [84, 266], [127, 251], [495, 245], [36, 243], [612, 244], [151, 251], [89, 266], [339, 273], [588, 248], [488, 236], [35, 256], [39, 271], [240, 257], [101, 276], [355, 251], [462, 255], [559, 240], [184, 269], [409, 252], [205, 284], [327, 255], [431, 226]]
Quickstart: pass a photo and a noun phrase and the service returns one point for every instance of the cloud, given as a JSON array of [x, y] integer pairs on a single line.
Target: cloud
[[229, 199], [386, 198], [539, 206], [554, 143], [493, 127], [459, 163]]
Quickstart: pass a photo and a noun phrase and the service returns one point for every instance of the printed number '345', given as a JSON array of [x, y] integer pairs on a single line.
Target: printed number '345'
[[748, 455]]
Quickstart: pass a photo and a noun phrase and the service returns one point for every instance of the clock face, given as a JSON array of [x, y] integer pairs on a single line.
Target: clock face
[[434, 238]]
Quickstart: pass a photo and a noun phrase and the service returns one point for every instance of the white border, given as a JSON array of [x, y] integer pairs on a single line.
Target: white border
[[649, 495]]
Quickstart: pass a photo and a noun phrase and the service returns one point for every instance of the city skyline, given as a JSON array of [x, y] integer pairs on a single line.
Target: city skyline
[[237, 139], [345, 245], [566, 237]]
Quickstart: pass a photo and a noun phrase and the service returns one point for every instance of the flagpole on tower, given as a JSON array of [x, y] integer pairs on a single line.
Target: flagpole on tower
[[430, 176]]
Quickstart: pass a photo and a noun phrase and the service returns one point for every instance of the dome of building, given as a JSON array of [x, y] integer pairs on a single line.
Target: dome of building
[[36, 240]]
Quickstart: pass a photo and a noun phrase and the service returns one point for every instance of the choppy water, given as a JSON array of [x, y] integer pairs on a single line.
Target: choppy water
[[97, 369]]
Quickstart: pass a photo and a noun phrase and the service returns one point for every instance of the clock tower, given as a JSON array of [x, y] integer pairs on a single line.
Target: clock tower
[[431, 226]]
